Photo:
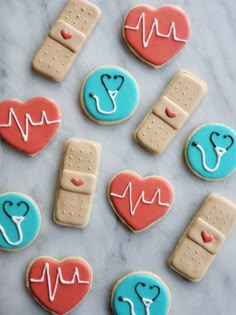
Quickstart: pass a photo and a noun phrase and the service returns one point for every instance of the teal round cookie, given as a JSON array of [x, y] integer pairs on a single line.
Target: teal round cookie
[[109, 95], [210, 151], [20, 221], [140, 293]]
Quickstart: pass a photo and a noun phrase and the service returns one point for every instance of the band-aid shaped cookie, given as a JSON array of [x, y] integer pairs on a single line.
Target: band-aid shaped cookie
[[66, 38], [77, 182], [204, 237], [170, 112]]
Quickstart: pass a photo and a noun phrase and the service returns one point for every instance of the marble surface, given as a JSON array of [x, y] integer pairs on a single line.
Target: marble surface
[[110, 248]]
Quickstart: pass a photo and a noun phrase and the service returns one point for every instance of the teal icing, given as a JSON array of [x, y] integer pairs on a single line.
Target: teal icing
[[29, 226], [126, 99], [202, 137], [148, 291]]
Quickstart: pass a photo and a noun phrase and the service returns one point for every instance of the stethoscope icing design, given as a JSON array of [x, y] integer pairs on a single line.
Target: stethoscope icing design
[[17, 220], [146, 302], [111, 93], [218, 150]]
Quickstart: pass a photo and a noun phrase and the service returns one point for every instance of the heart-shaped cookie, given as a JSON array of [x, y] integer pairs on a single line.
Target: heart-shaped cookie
[[140, 202], [59, 286], [29, 126], [156, 36]]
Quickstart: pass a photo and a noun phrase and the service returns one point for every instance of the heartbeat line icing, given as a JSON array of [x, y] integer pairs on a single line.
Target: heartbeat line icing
[[141, 198], [154, 30], [59, 278], [28, 120]]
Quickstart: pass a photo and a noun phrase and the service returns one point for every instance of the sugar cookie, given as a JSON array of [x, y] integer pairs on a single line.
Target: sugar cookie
[[29, 126], [204, 237], [20, 221], [77, 183], [59, 286], [109, 95], [156, 35], [210, 151], [140, 202], [139, 293]]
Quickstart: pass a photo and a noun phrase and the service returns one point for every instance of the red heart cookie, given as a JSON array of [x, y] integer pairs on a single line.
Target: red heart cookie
[[140, 202], [59, 286], [29, 126], [156, 36]]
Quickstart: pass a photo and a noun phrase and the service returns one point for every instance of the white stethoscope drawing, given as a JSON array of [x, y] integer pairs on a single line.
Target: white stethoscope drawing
[[17, 220], [146, 302], [218, 150], [111, 93]]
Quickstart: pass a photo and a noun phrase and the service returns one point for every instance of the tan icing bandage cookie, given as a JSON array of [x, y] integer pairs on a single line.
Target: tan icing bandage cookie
[[66, 38], [77, 182], [204, 237], [170, 112]]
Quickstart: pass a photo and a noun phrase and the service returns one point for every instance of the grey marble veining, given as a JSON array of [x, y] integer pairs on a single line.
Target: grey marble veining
[[110, 248]]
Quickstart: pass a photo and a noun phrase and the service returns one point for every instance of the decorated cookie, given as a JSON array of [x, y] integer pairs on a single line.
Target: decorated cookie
[[29, 126], [210, 151], [59, 286], [140, 202], [156, 35], [20, 221], [140, 293], [109, 95]]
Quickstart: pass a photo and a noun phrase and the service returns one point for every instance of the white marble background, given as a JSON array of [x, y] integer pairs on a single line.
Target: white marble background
[[110, 248]]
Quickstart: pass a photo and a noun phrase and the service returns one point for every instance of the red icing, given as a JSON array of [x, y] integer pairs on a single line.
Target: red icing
[[67, 296], [145, 214], [66, 34], [159, 50], [77, 182], [37, 137], [207, 238], [170, 113]]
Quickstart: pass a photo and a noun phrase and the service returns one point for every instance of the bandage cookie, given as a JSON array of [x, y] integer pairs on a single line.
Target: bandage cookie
[[59, 286], [109, 95], [204, 237], [29, 126], [140, 202], [170, 112], [210, 151], [65, 40], [156, 35], [20, 221], [77, 182], [139, 293]]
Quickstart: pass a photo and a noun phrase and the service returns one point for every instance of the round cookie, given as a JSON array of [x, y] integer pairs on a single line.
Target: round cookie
[[210, 151], [156, 35], [140, 202], [59, 286], [109, 95], [20, 221], [140, 293]]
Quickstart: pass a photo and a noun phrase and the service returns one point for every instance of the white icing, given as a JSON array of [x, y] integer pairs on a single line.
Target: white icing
[[131, 304], [52, 292], [28, 120], [219, 153], [112, 95], [155, 27], [146, 302], [129, 189], [17, 221]]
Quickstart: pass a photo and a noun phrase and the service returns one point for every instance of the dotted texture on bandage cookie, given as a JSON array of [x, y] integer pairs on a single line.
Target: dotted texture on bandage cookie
[[154, 134]]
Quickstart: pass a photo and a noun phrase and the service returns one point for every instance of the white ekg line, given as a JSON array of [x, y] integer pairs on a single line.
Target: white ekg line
[[52, 292], [155, 26], [28, 120], [141, 198]]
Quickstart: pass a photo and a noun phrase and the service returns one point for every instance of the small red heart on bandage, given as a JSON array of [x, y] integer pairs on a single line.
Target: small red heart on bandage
[[65, 34], [77, 182], [207, 238], [170, 113]]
